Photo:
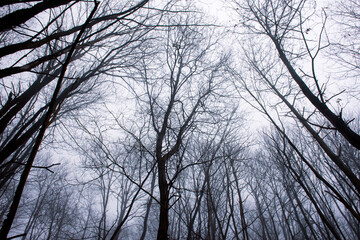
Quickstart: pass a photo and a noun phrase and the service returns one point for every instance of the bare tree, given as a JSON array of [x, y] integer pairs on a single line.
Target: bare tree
[[21, 113], [56, 41], [173, 87], [272, 64], [50, 208], [284, 23], [343, 50]]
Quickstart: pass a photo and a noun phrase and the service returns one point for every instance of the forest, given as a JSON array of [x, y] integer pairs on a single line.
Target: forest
[[180, 119]]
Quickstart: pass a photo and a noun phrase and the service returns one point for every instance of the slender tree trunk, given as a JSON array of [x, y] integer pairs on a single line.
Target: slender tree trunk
[[242, 213], [296, 214], [148, 207], [260, 211], [210, 209], [190, 227]]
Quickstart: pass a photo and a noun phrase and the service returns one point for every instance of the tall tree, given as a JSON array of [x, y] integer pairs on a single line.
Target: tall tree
[[174, 87], [43, 41], [290, 42]]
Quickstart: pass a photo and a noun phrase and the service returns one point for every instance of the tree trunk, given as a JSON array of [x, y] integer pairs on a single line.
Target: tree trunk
[[148, 207], [164, 201]]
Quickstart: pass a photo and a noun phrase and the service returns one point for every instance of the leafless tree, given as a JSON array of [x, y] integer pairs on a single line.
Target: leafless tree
[[174, 86], [272, 69], [285, 24], [39, 42]]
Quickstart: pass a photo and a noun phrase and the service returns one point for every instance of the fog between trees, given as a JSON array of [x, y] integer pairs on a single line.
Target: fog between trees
[[155, 120]]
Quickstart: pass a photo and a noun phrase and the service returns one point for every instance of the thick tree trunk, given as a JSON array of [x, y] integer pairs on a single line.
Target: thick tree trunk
[[164, 202]]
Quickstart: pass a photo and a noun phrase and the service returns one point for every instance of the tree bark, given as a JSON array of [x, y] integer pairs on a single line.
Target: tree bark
[[164, 201]]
